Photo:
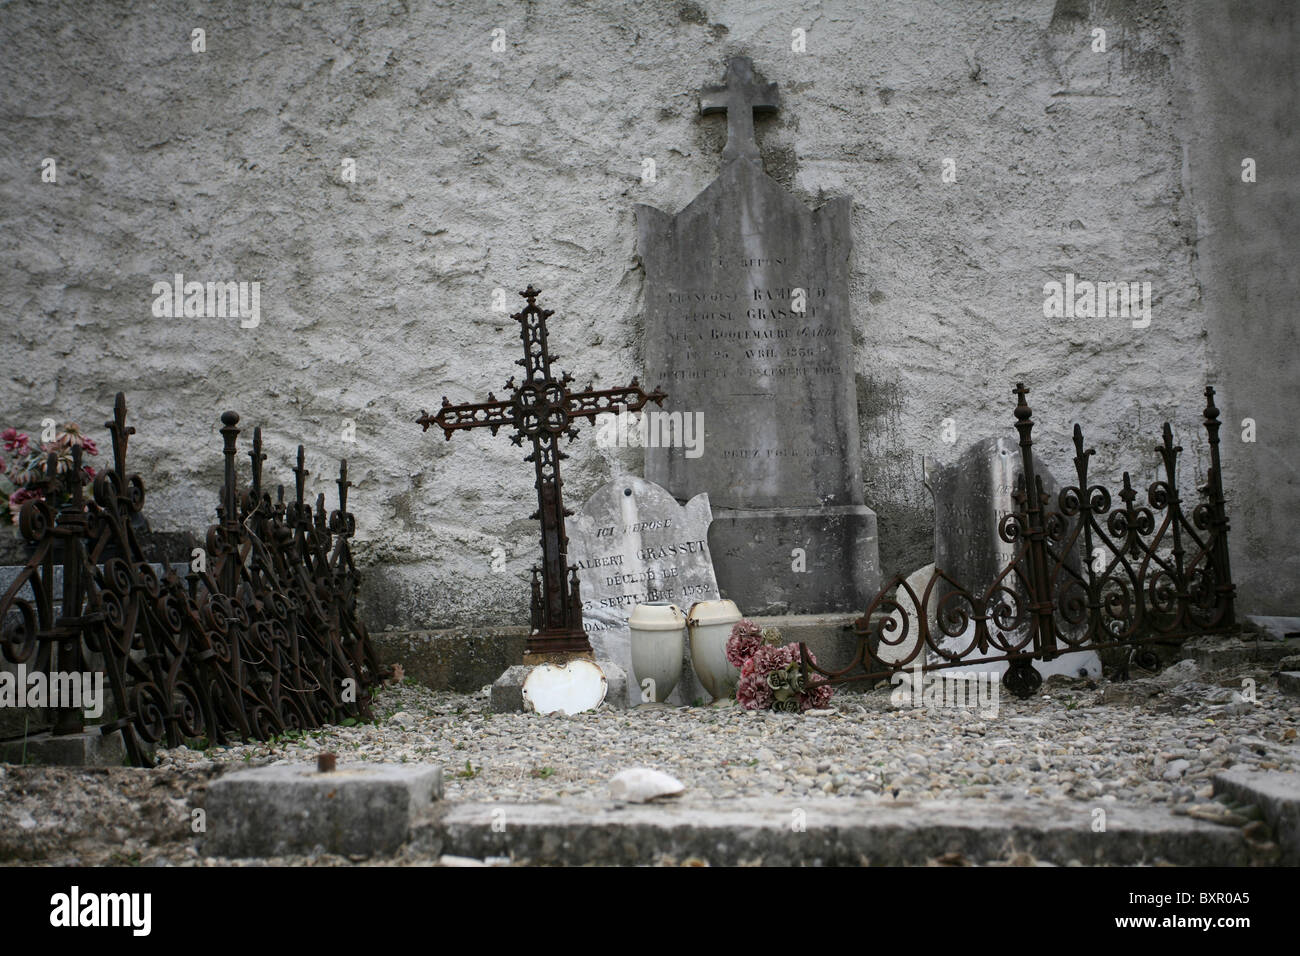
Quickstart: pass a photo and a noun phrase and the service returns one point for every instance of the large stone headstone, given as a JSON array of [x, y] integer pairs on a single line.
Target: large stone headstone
[[748, 322], [632, 543], [971, 497]]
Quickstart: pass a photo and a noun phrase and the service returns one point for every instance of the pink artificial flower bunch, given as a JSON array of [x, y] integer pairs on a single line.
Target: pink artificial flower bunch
[[15, 441], [25, 465], [770, 675], [746, 636]]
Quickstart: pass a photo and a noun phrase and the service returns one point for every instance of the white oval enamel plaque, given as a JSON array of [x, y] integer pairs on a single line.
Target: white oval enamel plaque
[[577, 686]]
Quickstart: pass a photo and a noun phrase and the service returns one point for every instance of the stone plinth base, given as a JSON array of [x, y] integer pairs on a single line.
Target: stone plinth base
[[508, 689], [360, 809], [756, 559], [87, 749], [463, 659], [830, 637]]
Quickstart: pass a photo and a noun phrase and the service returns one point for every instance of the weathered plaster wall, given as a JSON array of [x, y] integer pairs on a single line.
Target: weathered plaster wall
[[1243, 76], [481, 170]]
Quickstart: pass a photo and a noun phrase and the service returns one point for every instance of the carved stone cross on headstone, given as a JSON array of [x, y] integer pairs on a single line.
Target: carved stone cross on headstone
[[740, 97], [748, 318], [542, 409]]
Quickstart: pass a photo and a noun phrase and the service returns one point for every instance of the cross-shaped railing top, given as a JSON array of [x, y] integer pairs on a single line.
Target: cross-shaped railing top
[[742, 94]]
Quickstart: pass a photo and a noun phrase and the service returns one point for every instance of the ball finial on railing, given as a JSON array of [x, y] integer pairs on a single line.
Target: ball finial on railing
[[1022, 407]]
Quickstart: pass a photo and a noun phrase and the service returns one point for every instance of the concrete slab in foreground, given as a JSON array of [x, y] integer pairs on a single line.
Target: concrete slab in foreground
[[834, 833], [1277, 795], [357, 810]]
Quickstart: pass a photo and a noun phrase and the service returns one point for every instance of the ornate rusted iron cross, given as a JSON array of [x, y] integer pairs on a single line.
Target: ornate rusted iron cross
[[542, 409]]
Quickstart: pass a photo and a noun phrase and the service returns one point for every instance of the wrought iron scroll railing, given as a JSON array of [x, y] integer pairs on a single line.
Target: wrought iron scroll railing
[[260, 637], [1150, 571]]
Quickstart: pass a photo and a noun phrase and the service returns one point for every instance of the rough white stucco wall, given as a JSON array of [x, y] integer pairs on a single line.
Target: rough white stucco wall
[[1244, 95], [479, 171]]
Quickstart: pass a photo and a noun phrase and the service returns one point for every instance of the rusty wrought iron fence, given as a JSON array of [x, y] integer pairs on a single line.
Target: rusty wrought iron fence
[[1151, 572], [260, 637]]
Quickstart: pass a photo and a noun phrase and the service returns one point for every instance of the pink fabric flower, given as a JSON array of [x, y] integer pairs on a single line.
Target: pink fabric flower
[[89, 447], [17, 499], [752, 691], [15, 440], [819, 698], [69, 435], [746, 636], [768, 658], [62, 458]]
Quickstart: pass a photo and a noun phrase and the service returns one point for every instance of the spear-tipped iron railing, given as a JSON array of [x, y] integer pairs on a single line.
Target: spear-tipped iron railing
[[261, 637], [1151, 572]]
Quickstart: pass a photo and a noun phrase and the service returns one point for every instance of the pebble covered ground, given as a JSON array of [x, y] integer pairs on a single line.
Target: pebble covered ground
[[1152, 740], [1077, 740]]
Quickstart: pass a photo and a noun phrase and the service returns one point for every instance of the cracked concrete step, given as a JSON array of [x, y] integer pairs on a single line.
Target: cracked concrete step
[[1277, 794], [1277, 628], [1214, 653], [358, 809], [828, 833]]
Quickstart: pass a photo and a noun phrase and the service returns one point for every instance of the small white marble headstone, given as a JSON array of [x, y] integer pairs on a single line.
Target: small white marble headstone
[[632, 543]]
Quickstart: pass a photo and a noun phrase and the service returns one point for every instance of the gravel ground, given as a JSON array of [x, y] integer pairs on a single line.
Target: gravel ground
[[1154, 740], [1078, 740]]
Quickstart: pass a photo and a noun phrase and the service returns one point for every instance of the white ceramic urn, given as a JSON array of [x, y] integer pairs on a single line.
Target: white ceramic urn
[[710, 623], [657, 631]]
